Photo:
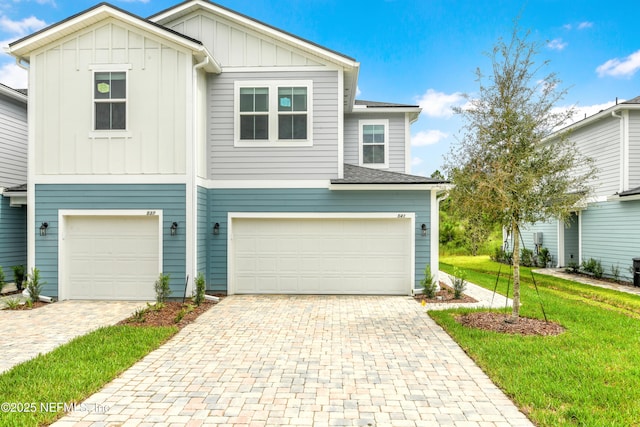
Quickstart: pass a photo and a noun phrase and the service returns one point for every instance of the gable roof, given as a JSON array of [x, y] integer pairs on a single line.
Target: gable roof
[[350, 65], [22, 47], [17, 94], [362, 175]]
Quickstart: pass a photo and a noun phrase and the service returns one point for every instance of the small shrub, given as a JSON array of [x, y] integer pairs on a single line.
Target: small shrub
[[544, 258], [12, 303], [573, 267], [615, 272], [526, 257], [33, 284], [429, 286], [594, 267], [459, 284], [155, 307], [598, 271], [502, 256], [198, 298], [18, 275], [1, 279], [186, 309], [140, 315], [163, 291]]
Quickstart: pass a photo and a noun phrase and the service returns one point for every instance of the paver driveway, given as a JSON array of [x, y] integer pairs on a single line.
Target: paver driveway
[[305, 360]]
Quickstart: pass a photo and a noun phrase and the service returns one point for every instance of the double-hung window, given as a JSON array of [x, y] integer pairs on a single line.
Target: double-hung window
[[110, 100], [273, 113], [374, 143]]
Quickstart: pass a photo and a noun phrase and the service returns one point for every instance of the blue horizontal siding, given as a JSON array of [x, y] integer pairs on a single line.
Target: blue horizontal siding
[[13, 236], [549, 230], [611, 234], [170, 198], [203, 231], [223, 201]]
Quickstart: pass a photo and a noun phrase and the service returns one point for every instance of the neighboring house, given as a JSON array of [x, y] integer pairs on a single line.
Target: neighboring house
[[607, 229], [203, 141], [13, 179]]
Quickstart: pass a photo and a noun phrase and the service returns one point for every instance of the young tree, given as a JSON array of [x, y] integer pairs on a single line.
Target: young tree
[[503, 168]]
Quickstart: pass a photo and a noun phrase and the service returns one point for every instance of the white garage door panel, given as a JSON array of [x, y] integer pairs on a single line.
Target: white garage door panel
[[111, 257], [322, 256]]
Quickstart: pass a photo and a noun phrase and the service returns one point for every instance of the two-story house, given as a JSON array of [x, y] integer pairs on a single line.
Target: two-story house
[[200, 140], [13, 179], [607, 228]]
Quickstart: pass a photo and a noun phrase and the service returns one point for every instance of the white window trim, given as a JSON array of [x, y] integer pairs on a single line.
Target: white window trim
[[273, 140], [108, 133], [385, 123]]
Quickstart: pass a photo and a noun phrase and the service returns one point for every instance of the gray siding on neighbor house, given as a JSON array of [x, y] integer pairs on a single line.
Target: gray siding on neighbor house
[[549, 231], [634, 149], [320, 161], [572, 240], [611, 234], [397, 146], [601, 142], [13, 142], [13, 237], [170, 198], [221, 202]]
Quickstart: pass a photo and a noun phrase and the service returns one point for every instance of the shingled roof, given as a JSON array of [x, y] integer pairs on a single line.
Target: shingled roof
[[361, 175], [377, 104], [631, 192]]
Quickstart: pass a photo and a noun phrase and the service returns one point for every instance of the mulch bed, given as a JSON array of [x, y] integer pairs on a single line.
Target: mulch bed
[[497, 322], [166, 316], [444, 295]]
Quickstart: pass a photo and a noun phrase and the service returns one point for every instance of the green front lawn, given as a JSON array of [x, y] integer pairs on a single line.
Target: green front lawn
[[588, 376], [34, 392]]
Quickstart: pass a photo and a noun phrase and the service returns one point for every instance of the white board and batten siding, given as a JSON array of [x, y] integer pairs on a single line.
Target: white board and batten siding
[[238, 46], [159, 78], [13, 142], [313, 255], [634, 149], [396, 144], [318, 161]]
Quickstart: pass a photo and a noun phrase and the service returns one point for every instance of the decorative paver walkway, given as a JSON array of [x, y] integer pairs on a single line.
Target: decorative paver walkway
[[26, 333], [304, 360]]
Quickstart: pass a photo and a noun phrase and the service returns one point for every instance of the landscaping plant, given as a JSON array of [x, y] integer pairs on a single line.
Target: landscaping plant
[[198, 298], [1, 279], [163, 291], [33, 285], [18, 275], [429, 285], [459, 283]]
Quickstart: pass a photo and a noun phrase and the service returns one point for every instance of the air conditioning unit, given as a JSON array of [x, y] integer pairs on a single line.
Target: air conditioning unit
[[537, 238]]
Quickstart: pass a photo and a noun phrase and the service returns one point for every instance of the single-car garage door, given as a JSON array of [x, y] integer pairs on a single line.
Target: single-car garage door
[[322, 256], [111, 257]]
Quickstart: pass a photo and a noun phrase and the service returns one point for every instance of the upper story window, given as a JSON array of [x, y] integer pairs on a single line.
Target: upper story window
[[273, 113], [374, 143], [110, 100]]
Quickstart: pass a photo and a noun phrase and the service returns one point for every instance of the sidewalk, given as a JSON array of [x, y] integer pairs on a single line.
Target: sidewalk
[[485, 297], [560, 273]]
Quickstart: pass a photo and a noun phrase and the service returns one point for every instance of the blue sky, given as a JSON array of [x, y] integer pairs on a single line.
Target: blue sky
[[419, 51]]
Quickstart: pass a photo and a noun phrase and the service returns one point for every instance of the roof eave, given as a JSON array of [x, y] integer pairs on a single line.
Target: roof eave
[[13, 94], [388, 186], [594, 118]]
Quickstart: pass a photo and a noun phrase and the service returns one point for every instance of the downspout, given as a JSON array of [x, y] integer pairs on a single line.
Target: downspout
[[192, 173], [624, 171], [21, 65]]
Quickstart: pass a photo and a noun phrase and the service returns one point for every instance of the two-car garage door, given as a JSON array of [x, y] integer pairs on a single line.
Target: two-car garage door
[[110, 257], [321, 256]]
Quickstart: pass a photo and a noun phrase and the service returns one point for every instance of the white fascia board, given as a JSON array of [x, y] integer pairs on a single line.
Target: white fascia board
[[372, 110], [261, 184], [584, 122], [13, 94], [618, 198], [367, 187], [187, 7], [93, 16]]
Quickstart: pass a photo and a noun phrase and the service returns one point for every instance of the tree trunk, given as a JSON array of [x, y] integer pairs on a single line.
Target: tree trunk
[[515, 312]]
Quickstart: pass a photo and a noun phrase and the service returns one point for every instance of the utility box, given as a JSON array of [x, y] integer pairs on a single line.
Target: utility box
[[537, 238], [636, 271]]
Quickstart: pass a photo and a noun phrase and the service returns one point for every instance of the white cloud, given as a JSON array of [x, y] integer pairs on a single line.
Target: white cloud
[[567, 26], [428, 137], [439, 104], [20, 28], [584, 25], [616, 67], [557, 44], [13, 76], [358, 91], [416, 161]]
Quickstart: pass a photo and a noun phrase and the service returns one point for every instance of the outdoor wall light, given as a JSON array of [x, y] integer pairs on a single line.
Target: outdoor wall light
[[424, 229], [216, 228], [43, 228], [174, 228]]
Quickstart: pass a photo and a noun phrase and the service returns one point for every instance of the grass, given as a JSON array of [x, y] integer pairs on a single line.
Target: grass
[[73, 371], [588, 376]]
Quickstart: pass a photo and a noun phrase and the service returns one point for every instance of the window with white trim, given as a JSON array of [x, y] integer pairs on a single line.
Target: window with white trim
[[374, 142], [273, 113], [110, 100]]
